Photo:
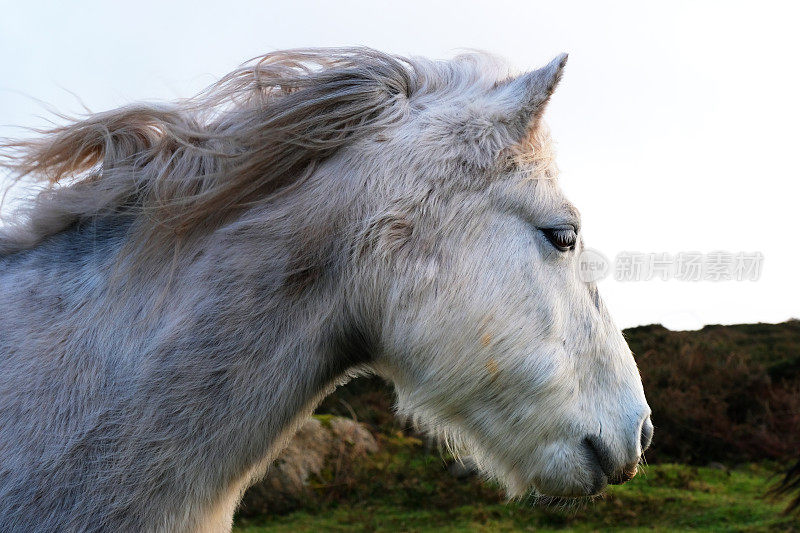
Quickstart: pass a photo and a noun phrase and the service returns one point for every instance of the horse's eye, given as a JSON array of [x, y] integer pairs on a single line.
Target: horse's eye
[[563, 238]]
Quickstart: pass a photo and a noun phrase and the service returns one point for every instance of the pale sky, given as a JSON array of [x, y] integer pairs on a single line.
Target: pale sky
[[676, 126]]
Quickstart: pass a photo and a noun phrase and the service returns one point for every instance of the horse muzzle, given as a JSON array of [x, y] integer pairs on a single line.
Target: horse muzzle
[[609, 470]]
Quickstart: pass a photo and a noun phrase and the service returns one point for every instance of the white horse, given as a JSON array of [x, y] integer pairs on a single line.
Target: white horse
[[200, 274]]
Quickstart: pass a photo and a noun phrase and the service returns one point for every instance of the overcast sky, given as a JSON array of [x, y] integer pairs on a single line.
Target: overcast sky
[[676, 127]]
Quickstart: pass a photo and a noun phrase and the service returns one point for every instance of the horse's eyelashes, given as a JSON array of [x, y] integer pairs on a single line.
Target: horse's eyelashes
[[563, 238]]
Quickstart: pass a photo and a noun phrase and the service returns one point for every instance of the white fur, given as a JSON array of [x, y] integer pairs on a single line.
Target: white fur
[[168, 318]]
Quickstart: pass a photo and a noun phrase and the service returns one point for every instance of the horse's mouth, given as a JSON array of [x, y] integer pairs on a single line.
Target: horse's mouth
[[602, 459]]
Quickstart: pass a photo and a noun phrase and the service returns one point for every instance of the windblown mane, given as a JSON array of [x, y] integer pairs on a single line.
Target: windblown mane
[[259, 130]]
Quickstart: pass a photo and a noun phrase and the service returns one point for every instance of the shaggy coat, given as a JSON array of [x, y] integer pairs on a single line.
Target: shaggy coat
[[194, 277]]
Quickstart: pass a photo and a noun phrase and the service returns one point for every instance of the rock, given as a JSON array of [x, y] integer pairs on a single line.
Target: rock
[[351, 437], [321, 442]]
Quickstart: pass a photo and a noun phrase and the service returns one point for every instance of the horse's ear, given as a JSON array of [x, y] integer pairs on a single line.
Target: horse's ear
[[525, 97]]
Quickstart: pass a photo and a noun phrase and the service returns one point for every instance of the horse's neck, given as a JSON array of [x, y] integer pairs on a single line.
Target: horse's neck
[[197, 388], [257, 354], [245, 358]]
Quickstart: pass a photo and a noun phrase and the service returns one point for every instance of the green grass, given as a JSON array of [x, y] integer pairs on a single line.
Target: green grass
[[665, 497]]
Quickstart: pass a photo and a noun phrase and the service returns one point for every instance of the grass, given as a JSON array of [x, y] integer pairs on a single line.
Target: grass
[[667, 497]]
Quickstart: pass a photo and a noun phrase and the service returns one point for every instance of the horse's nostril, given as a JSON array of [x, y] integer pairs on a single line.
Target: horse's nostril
[[647, 434]]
